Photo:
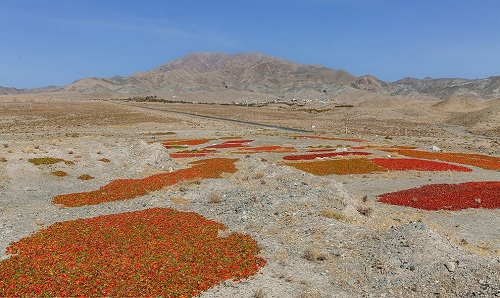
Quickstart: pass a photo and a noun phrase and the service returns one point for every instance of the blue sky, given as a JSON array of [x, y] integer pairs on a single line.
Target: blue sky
[[55, 42]]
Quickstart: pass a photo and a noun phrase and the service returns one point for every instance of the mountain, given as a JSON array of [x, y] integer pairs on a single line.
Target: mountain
[[219, 72], [371, 83], [10, 90], [227, 77], [444, 88], [115, 84]]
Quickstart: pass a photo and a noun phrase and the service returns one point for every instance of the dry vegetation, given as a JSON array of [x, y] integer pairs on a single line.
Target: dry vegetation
[[49, 161], [85, 177], [59, 173]]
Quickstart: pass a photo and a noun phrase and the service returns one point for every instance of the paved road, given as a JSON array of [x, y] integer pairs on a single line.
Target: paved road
[[277, 127]]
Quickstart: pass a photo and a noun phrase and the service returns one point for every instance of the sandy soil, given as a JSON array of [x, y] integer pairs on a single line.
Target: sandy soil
[[390, 252]]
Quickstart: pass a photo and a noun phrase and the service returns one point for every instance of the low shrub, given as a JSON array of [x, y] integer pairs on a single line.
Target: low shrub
[[48, 161], [59, 173], [85, 177]]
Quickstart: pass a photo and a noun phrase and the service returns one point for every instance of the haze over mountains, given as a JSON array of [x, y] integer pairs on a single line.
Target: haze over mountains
[[260, 76]]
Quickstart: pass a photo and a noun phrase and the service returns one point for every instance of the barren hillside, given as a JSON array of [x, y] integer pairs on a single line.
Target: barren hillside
[[219, 72], [225, 77]]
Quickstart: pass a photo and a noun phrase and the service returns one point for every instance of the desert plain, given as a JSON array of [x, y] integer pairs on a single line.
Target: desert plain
[[320, 235]]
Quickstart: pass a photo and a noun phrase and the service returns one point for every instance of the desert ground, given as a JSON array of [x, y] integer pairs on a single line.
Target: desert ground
[[321, 236]]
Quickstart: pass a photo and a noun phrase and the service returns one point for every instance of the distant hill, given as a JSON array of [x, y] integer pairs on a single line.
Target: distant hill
[[219, 72], [487, 88], [458, 104], [484, 121], [255, 75], [10, 90]]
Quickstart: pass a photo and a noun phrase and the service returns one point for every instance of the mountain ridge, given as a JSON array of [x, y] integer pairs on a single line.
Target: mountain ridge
[[260, 75]]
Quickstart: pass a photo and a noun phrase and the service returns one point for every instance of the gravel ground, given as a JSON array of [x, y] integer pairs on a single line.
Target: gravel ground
[[314, 239]]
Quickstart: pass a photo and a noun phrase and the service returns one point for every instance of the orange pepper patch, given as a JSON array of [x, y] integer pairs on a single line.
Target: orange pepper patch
[[360, 147], [404, 164], [175, 143], [325, 150], [477, 160], [383, 147], [323, 155], [331, 139], [276, 149], [338, 166], [231, 144], [124, 189], [404, 147], [192, 153], [153, 252]]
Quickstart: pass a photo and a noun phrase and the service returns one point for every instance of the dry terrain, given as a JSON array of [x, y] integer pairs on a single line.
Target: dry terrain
[[321, 236]]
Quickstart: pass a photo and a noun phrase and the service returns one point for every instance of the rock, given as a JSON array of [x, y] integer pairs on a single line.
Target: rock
[[335, 252], [223, 233], [420, 226], [451, 266], [395, 260]]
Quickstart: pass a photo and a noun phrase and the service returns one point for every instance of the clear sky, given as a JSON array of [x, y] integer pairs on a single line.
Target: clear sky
[[55, 42]]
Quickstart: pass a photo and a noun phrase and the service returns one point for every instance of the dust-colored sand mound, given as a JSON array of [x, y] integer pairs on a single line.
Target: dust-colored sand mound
[[485, 120], [459, 104]]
